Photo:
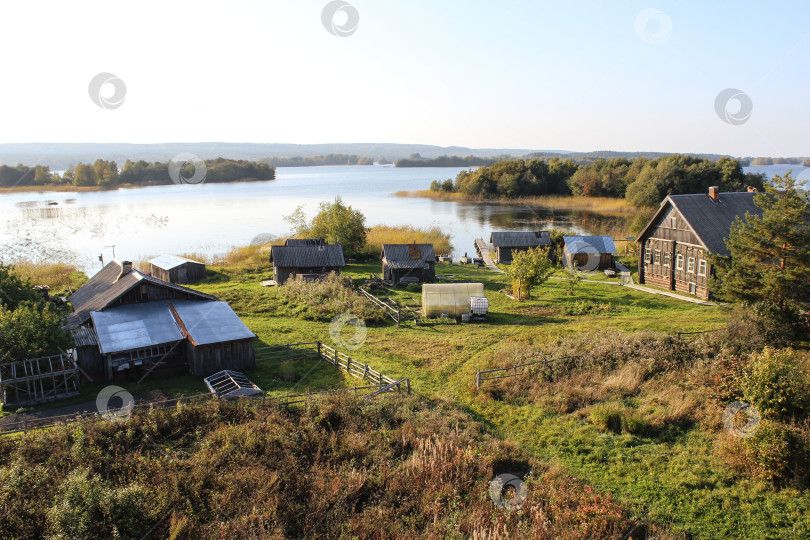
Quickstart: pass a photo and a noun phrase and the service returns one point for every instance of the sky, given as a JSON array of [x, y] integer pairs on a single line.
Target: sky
[[566, 75]]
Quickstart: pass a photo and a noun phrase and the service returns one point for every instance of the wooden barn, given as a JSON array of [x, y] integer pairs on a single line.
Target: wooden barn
[[408, 263], [126, 324], [674, 245], [176, 269], [305, 262], [588, 253], [506, 243]]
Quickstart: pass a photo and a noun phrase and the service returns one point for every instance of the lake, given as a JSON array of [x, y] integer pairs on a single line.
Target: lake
[[211, 218]]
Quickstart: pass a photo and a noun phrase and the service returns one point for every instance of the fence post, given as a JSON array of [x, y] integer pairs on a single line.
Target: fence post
[[348, 364], [336, 358], [319, 349], [365, 373], [399, 316], [679, 336], [478, 379], [408, 386], [288, 352]]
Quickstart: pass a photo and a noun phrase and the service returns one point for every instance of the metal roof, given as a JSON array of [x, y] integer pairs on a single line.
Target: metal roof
[[104, 288], [210, 322], [227, 383], [329, 255], [297, 242], [135, 326], [710, 220], [167, 262], [520, 238], [84, 337], [587, 244], [404, 256]]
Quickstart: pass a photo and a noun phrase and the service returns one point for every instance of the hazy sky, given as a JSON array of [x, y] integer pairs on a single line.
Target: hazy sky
[[574, 75]]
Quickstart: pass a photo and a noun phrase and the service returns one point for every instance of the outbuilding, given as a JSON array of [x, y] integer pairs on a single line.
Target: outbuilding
[[306, 262], [589, 253], [506, 243], [176, 269], [408, 263]]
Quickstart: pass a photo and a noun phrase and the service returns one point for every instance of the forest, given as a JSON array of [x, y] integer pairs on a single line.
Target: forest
[[312, 161], [643, 182], [417, 160]]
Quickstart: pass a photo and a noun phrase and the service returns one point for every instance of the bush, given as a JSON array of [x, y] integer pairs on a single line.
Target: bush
[[775, 452], [775, 384], [325, 299]]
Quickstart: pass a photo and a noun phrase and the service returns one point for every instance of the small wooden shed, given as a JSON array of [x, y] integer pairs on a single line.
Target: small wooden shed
[[588, 253], [176, 269], [290, 262], [506, 243], [408, 263]]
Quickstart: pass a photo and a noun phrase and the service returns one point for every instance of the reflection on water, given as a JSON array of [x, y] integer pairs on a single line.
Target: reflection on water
[[210, 218]]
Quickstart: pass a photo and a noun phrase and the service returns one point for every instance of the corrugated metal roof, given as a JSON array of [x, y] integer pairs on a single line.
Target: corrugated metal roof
[[587, 244], [520, 238], [84, 337], [711, 220], [307, 256], [406, 256], [210, 322], [104, 288], [298, 242], [135, 326], [167, 262]]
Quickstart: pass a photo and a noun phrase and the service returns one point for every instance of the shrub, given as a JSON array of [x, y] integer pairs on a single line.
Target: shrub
[[775, 384], [325, 299], [775, 452]]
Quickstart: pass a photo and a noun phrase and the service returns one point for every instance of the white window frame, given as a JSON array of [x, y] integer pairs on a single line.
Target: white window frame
[[657, 256], [678, 262], [667, 258], [647, 255], [690, 265], [702, 267]]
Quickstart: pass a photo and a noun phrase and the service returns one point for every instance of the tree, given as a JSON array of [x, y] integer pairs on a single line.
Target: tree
[[572, 278], [335, 222], [85, 176], [529, 269], [769, 264]]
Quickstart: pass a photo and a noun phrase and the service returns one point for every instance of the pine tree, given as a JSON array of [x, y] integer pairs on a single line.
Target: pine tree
[[770, 254]]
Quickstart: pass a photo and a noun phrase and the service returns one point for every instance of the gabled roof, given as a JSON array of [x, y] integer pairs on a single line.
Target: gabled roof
[[167, 262], [710, 220], [520, 239], [307, 256], [135, 326], [210, 322], [589, 244], [104, 288], [297, 242], [404, 256]]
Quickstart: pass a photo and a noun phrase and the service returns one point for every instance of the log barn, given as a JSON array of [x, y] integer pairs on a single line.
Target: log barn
[[674, 245], [126, 324], [408, 263], [305, 262], [588, 252], [176, 269], [506, 243]]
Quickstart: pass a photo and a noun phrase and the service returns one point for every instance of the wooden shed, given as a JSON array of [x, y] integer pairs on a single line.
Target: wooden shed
[[506, 243], [674, 245], [176, 269], [290, 262], [408, 263], [589, 253]]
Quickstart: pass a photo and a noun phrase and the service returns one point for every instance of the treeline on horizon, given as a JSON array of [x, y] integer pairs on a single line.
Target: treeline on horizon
[[107, 174], [417, 160], [642, 182], [314, 161]]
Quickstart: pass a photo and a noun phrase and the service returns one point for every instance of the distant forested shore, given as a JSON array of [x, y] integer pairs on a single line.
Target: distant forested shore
[[316, 161], [641, 182], [102, 174], [446, 161]]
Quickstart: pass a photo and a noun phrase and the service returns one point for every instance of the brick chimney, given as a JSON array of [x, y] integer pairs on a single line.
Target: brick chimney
[[714, 193], [126, 268], [752, 189]]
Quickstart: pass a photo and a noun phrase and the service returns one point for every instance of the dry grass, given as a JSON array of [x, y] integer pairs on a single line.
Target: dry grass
[[405, 234], [58, 276]]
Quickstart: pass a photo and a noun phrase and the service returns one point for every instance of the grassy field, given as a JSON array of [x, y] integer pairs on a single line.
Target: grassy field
[[671, 477]]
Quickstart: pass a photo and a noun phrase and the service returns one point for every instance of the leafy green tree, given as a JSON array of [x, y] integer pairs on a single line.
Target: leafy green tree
[[335, 222], [529, 269], [770, 255], [85, 175], [572, 279], [14, 290], [43, 176]]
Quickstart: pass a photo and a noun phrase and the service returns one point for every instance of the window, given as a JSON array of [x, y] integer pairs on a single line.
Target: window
[[673, 222], [666, 258], [690, 266], [647, 255], [679, 262], [657, 257], [701, 267]]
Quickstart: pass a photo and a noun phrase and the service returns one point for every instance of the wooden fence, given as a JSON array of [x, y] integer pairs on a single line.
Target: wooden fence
[[279, 354], [693, 335], [512, 371], [395, 314]]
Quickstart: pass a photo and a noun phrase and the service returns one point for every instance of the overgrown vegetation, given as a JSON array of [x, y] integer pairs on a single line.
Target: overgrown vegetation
[[336, 468], [325, 299]]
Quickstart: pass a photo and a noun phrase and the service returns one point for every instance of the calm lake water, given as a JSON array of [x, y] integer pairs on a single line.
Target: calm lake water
[[211, 218]]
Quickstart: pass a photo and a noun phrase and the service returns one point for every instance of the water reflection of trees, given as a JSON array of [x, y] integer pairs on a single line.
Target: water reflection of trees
[[526, 217]]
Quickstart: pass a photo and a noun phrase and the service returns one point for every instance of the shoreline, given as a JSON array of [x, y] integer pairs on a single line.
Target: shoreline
[[67, 188], [602, 205]]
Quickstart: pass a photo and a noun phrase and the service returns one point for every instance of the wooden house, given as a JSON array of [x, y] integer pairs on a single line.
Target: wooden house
[[176, 269], [408, 263], [305, 262], [674, 245], [506, 243], [298, 242], [126, 324], [588, 253]]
